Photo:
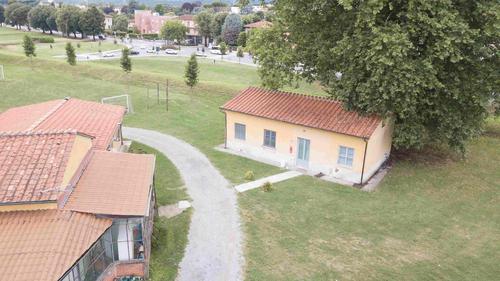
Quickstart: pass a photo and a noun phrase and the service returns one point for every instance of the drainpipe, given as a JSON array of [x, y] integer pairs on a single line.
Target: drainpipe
[[225, 130], [364, 160], [121, 134]]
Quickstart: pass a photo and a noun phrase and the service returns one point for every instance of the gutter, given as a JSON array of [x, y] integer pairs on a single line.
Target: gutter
[[364, 160], [225, 130]]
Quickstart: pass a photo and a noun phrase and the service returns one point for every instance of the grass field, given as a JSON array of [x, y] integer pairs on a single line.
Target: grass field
[[433, 218], [10, 38]]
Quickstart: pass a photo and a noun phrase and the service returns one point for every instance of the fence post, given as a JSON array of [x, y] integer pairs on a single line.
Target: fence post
[[166, 94]]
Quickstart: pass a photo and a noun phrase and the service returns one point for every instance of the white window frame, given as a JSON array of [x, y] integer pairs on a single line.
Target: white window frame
[[238, 137], [344, 157]]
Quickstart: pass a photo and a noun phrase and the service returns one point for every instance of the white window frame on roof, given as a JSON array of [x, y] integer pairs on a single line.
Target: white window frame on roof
[[346, 156]]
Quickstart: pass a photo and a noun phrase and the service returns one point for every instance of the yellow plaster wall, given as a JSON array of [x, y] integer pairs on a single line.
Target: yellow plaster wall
[[80, 148], [324, 145]]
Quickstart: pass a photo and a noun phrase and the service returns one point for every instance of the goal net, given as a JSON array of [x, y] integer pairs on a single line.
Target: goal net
[[123, 100]]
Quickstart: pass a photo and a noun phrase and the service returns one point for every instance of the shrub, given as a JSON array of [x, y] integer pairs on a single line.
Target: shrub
[[249, 176], [78, 45], [267, 187], [133, 35], [43, 39], [152, 36]]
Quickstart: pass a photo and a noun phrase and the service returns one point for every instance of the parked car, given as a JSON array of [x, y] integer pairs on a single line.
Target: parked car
[[134, 52], [171, 52], [200, 54], [108, 55], [215, 52], [150, 51]]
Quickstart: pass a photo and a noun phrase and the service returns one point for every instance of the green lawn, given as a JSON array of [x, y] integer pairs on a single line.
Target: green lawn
[[10, 40], [429, 220]]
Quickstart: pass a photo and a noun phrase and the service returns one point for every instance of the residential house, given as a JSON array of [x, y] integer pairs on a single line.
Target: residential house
[[311, 133], [192, 34], [71, 206], [108, 22], [257, 25], [148, 22]]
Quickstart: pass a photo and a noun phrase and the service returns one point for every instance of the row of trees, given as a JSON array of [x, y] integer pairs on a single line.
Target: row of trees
[[67, 19], [221, 26]]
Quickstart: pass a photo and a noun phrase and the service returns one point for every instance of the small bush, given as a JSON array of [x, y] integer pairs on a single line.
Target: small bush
[[249, 176], [133, 35], [78, 45], [43, 39], [267, 187], [152, 36]]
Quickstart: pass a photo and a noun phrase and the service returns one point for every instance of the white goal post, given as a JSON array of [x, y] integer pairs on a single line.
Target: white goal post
[[123, 100], [2, 74]]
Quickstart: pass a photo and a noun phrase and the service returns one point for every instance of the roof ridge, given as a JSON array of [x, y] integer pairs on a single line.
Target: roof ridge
[[47, 115], [325, 98], [37, 133]]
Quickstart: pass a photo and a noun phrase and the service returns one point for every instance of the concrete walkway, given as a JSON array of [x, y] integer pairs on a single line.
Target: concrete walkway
[[272, 179], [214, 249]]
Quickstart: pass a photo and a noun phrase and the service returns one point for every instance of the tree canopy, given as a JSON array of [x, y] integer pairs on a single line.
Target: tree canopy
[[120, 23], [231, 29], [92, 22], [173, 30], [42, 17], [16, 14], [67, 19], [2, 14], [431, 66], [204, 21]]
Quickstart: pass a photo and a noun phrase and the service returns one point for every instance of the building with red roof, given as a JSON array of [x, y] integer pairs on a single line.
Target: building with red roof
[[312, 133], [71, 209]]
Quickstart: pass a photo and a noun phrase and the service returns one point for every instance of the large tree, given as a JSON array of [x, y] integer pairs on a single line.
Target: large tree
[[16, 14], [204, 21], [42, 17], [431, 66], [216, 25], [120, 23], [173, 30], [67, 19], [92, 22], [231, 29]]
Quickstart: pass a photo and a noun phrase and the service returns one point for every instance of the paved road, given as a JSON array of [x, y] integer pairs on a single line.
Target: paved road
[[214, 250]]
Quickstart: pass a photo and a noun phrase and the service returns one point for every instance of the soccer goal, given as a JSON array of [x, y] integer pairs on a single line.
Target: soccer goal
[[2, 74], [123, 100]]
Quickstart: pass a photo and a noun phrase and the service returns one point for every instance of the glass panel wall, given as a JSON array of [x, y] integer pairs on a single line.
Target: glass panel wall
[[122, 242]]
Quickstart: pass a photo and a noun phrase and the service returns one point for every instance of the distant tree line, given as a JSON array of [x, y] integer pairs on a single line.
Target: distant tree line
[[66, 19]]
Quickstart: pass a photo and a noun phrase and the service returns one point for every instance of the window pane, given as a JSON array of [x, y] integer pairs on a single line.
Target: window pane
[[269, 138], [239, 131], [350, 153]]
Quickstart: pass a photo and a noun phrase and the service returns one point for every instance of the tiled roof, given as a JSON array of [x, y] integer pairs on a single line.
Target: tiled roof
[[114, 184], [259, 24], [315, 112], [186, 17], [91, 118], [43, 245], [32, 165], [24, 117]]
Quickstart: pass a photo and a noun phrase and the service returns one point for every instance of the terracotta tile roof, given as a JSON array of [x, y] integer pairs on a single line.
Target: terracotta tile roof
[[259, 24], [24, 117], [91, 118], [32, 165], [315, 112], [186, 17], [114, 184], [43, 245]]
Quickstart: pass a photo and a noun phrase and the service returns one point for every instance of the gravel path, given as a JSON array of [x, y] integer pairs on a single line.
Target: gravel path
[[214, 249]]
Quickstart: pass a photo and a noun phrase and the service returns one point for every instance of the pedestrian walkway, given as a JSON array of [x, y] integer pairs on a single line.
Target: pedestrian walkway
[[272, 179]]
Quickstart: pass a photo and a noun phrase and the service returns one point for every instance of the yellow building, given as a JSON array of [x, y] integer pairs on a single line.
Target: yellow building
[[310, 133]]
